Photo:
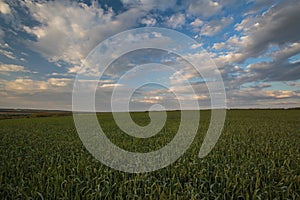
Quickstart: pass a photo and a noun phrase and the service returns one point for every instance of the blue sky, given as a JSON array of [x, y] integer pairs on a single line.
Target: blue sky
[[255, 44]]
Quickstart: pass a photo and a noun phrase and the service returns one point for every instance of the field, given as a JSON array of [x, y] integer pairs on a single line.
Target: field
[[256, 157]]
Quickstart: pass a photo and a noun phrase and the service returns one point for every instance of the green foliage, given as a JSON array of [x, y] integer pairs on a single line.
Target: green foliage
[[257, 157]]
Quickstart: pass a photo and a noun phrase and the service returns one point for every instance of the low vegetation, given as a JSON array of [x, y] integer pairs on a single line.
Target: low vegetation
[[256, 157]]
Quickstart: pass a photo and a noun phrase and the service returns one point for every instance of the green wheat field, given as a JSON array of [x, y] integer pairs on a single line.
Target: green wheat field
[[256, 157]]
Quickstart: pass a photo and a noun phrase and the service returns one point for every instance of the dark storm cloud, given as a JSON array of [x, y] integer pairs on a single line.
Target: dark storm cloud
[[278, 26], [275, 71]]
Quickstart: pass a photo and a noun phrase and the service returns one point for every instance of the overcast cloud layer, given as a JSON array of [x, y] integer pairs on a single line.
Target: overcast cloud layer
[[255, 44]]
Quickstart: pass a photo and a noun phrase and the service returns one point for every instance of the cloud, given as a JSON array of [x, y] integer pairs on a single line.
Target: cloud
[[1, 34], [246, 24], [279, 25], [205, 8], [75, 29], [146, 97], [59, 82], [294, 84], [196, 46], [215, 26], [196, 24], [276, 27], [273, 71], [8, 14], [219, 46], [286, 51], [279, 69], [280, 94], [258, 5], [124, 63], [74, 69], [24, 85], [148, 5], [149, 99], [8, 54], [273, 35], [4, 68], [176, 21], [110, 85], [148, 21], [4, 8], [30, 86], [260, 86], [261, 48], [44, 100], [228, 58], [258, 98], [269, 94]]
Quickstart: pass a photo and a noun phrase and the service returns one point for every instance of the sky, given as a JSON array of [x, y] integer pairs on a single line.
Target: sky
[[254, 43]]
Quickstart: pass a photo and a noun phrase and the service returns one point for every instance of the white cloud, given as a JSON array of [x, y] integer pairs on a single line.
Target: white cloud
[[205, 8], [74, 69], [110, 85], [75, 29], [176, 20], [30, 86], [8, 13], [195, 46], [4, 8], [8, 54], [219, 46], [215, 26], [196, 24], [148, 99], [25, 92], [236, 41], [4, 68], [68, 30], [24, 85], [279, 94], [59, 82], [149, 21], [228, 58]]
